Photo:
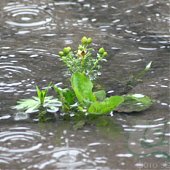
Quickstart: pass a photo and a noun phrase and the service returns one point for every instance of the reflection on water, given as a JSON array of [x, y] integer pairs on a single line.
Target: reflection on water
[[149, 137], [52, 146], [134, 33], [49, 149]]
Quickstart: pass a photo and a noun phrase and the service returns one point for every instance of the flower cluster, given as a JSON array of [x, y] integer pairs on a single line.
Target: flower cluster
[[83, 59]]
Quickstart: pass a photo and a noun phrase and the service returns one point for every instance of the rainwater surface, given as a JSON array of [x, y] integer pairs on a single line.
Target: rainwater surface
[[134, 32]]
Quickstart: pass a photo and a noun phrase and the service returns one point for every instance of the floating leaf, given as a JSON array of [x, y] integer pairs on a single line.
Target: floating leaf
[[82, 87], [135, 103], [33, 105], [28, 105], [51, 104], [106, 106], [100, 95]]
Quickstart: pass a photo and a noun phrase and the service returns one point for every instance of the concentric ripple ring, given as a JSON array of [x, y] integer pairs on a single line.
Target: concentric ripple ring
[[22, 15]]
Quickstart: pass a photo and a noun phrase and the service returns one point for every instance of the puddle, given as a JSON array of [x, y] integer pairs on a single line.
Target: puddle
[[134, 33]]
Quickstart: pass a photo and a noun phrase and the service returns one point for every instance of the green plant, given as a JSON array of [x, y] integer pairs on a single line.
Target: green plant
[[66, 97], [137, 78], [40, 103], [134, 103], [80, 101], [88, 100], [83, 59]]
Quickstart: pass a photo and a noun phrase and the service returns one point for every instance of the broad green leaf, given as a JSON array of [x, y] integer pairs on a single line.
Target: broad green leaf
[[66, 95], [135, 103], [100, 95], [106, 106], [82, 87], [69, 96]]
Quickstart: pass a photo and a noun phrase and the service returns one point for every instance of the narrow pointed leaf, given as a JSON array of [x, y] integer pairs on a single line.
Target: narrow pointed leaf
[[38, 92], [148, 66]]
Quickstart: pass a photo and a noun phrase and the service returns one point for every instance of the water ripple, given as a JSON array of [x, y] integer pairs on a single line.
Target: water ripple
[[27, 15], [17, 142], [64, 158], [12, 72], [20, 69]]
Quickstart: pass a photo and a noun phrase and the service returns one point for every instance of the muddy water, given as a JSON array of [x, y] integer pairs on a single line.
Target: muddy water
[[134, 33]]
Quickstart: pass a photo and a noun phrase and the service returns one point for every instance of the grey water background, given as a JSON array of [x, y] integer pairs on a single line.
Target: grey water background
[[134, 32]]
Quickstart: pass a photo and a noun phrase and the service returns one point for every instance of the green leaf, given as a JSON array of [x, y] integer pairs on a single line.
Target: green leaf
[[41, 94], [66, 95], [28, 105], [106, 106], [52, 104], [135, 103], [58, 91], [148, 66], [33, 104], [69, 96], [82, 87], [38, 92], [100, 95]]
